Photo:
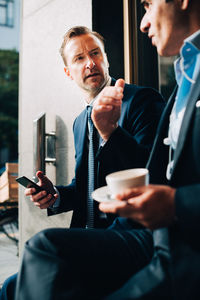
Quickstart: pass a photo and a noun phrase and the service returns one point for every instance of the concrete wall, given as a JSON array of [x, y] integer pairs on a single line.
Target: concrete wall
[[45, 88]]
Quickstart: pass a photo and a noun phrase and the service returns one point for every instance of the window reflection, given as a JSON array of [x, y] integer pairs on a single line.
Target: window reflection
[[166, 75], [7, 13]]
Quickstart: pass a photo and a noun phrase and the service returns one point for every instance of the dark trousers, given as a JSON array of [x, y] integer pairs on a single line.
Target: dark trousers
[[60, 264], [150, 283]]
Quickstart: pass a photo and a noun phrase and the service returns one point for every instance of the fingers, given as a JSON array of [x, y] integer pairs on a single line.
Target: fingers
[[40, 174], [41, 199], [107, 109], [46, 202], [112, 207], [122, 208], [29, 192], [130, 203], [130, 193], [152, 206], [110, 95], [42, 178], [120, 83], [107, 102]]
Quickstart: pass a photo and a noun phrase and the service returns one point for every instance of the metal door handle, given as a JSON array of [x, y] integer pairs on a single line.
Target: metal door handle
[[44, 145]]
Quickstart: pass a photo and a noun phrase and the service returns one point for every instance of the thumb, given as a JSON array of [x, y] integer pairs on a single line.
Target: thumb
[[40, 175], [120, 83]]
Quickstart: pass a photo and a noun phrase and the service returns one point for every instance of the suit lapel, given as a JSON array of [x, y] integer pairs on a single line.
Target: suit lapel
[[158, 159], [81, 135], [162, 127], [195, 93]]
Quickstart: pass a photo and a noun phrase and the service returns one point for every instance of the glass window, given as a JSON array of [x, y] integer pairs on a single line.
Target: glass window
[[166, 75], [7, 13], [142, 64], [141, 60]]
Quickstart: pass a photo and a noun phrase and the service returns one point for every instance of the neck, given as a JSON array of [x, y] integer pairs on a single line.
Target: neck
[[89, 96]]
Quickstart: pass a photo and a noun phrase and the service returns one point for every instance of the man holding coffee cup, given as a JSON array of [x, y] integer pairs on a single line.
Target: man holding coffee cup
[[172, 206], [117, 182]]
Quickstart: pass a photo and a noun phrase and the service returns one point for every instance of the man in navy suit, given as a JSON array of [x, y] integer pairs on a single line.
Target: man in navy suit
[[126, 118]]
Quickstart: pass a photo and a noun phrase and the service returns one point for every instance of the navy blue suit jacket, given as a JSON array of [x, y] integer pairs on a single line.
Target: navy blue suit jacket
[[181, 240], [174, 271], [128, 147]]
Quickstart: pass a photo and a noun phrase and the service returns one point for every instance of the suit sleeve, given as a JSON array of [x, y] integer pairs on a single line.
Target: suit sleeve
[[188, 208], [68, 195], [186, 179], [67, 199], [130, 144]]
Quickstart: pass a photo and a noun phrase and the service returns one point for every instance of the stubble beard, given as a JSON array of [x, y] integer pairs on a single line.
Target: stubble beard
[[94, 91]]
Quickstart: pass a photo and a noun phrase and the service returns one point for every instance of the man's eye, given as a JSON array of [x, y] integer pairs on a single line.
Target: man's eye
[[79, 58], [95, 53]]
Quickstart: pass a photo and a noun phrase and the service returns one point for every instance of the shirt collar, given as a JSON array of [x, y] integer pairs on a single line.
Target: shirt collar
[[188, 52], [194, 39]]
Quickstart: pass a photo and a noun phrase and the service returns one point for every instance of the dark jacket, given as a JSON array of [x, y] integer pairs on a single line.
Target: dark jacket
[[128, 147]]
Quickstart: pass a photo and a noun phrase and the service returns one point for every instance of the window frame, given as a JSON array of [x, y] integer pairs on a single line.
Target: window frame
[[4, 4], [140, 57]]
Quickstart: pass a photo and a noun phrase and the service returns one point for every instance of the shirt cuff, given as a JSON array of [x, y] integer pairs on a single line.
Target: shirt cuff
[[57, 202]]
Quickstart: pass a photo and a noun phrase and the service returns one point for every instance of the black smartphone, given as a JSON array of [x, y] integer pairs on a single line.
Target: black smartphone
[[26, 182]]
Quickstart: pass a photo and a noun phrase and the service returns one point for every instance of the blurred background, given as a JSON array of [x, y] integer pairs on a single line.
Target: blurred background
[[9, 88], [9, 75]]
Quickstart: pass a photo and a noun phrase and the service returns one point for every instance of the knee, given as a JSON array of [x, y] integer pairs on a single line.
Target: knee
[[8, 289], [39, 240], [44, 239]]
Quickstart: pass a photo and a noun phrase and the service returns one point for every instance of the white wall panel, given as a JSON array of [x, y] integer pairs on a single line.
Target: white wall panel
[[45, 88]]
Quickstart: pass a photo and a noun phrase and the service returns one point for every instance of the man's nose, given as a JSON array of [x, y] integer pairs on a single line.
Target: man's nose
[[90, 63], [145, 24]]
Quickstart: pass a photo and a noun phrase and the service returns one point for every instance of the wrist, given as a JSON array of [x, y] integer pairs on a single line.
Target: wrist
[[106, 136]]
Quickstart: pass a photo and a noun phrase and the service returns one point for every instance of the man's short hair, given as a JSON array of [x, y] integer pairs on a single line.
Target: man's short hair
[[77, 31]]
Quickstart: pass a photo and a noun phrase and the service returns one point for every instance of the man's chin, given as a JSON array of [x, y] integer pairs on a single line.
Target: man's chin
[[94, 82], [93, 78], [94, 87]]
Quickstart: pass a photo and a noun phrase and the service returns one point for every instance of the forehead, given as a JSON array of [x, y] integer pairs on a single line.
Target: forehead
[[81, 44]]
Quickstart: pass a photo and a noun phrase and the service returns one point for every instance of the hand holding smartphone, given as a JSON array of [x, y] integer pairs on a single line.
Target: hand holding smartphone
[[27, 183], [47, 201]]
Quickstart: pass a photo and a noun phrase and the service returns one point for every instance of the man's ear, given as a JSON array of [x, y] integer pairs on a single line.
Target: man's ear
[[67, 72]]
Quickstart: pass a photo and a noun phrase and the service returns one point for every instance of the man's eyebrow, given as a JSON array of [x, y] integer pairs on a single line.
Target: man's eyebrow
[[81, 53], [76, 55], [94, 49]]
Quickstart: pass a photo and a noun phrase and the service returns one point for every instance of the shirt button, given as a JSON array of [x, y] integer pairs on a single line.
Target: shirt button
[[166, 141], [198, 103]]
